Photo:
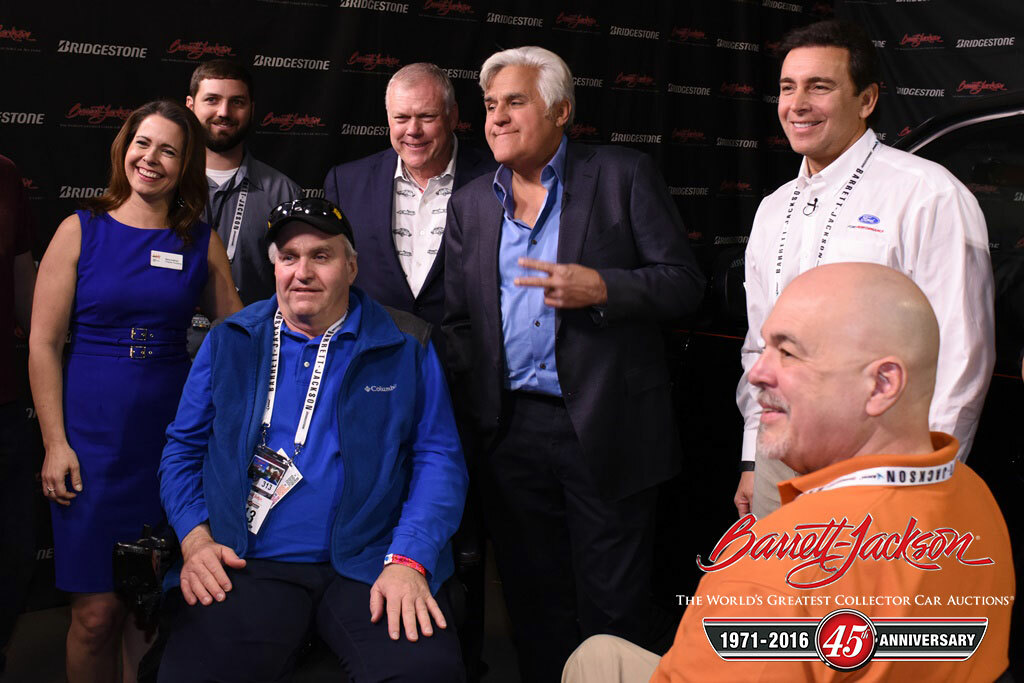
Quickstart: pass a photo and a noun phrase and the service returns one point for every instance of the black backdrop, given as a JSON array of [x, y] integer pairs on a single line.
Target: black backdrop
[[692, 83]]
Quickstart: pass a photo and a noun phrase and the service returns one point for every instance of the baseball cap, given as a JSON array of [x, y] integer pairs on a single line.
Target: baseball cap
[[319, 213]]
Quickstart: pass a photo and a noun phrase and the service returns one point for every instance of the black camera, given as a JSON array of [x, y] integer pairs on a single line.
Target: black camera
[[139, 570]]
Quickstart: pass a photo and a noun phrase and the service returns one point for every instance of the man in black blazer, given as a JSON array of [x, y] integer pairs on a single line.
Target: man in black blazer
[[560, 271], [406, 267]]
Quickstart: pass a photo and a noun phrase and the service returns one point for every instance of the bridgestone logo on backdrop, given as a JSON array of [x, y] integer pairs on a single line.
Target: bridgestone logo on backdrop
[[986, 42], [588, 82], [634, 33], [313, 192], [689, 90], [292, 63], [355, 129], [462, 73], [736, 45], [688, 191], [922, 92], [101, 49], [376, 6], [636, 137], [23, 117], [512, 20], [68, 192], [742, 144]]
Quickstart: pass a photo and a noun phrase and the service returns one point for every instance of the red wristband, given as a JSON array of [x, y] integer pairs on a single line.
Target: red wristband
[[392, 558]]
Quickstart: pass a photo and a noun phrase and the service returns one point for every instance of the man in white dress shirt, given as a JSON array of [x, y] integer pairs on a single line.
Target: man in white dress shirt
[[856, 199]]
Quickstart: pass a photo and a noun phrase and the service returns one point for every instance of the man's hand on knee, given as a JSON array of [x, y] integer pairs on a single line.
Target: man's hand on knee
[[744, 493], [403, 592], [202, 575]]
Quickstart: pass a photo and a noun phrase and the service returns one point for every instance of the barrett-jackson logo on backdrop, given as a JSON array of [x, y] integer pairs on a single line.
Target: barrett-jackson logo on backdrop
[[451, 9], [903, 131], [271, 62], [636, 138], [1005, 41], [634, 32], [376, 6], [288, 122], [14, 39], [359, 129], [71, 192], [742, 91], [918, 40], [28, 183], [687, 136], [971, 88], [776, 142], [583, 131], [97, 114], [584, 23], [699, 90], [197, 49], [514, 20], [463, 128], [634, 81], [372, 61], [690, 36], [101, 49], [585, 82], [25, 118], [736, 187]]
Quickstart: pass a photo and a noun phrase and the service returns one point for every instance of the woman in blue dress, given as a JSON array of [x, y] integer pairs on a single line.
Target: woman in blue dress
[[123, 277]]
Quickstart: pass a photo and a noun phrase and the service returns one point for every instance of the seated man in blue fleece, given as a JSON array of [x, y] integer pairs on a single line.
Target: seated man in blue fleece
[[314, 475]]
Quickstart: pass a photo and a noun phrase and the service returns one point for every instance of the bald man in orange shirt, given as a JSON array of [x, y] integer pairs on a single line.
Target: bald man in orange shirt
[[845, 382]]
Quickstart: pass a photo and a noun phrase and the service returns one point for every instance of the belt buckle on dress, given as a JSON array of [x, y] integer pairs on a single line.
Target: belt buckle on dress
[[140, 334], [139, 352]]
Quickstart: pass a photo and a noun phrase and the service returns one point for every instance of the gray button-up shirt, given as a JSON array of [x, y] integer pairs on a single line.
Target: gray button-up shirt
[[250, 268]]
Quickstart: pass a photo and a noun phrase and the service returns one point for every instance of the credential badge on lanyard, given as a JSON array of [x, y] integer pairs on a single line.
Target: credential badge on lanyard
[[848, 188]]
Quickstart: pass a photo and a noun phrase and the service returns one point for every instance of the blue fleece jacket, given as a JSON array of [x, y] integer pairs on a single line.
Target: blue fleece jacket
[[405, 477]]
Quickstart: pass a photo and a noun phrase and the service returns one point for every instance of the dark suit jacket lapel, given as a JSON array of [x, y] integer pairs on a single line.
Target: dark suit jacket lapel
[[488, 227], [465, 162], [577, 203]]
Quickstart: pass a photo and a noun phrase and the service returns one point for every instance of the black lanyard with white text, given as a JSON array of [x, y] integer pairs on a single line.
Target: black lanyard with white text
[[315, 380], [236, 222], [827, 232]]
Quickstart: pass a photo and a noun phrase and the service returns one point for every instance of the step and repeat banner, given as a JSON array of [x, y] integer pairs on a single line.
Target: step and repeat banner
[[694, 84]]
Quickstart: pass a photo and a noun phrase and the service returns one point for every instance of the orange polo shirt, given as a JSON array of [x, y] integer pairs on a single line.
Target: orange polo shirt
[[962, 502]]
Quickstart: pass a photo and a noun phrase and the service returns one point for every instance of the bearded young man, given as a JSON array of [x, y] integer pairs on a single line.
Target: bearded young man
[[243, 189]]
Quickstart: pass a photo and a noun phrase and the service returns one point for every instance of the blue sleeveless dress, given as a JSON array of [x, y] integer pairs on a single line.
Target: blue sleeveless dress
[[125, 368]]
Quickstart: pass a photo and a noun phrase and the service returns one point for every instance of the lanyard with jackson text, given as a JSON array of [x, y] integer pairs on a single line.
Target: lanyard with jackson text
[[892, 476], [309, 404], [236, 222], [827, 232]]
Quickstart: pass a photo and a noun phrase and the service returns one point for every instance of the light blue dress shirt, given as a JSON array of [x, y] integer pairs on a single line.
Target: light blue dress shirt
[[528, 325]]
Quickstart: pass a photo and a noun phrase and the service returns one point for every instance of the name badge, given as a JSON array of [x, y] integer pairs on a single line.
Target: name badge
[[267, 470], [165, 259]]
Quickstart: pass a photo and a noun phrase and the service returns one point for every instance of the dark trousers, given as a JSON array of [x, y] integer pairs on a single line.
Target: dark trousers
[[17, 540], [255, 634], [572, 564]]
